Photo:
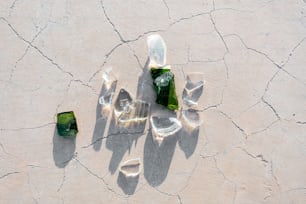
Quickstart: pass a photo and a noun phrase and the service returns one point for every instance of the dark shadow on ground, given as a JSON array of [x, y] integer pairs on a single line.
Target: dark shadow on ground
[[63, 149], [188, 139], [98, 133], [127, 184], [102, 114], [157, 158], [145, 90]]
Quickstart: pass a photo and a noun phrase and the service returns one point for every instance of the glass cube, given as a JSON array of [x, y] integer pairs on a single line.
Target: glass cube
[[66, 124]]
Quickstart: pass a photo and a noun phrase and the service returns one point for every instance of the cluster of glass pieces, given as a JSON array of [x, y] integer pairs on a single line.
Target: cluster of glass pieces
[[127, 110]]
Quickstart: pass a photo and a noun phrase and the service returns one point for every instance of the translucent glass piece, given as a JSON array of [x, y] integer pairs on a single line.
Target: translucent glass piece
[[193, 88], [157, 50], [137, 111], [109, 76], [164, 79], [164, 127], [108, 89], [192, 118], [131, 168], [123, 102], [106, 100]]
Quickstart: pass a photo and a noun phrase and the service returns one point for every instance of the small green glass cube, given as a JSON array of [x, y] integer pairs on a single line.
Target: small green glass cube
[[66, 124]]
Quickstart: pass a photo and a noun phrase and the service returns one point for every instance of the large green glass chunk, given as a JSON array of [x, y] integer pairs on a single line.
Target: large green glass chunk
[[163, 81], [66, 124]]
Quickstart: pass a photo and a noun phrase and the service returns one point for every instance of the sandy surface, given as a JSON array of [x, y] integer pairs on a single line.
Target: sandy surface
[[250, 148]]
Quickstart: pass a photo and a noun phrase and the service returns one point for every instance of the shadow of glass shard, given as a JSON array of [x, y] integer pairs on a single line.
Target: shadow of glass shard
[[66, 124], [191, 118], [131, 168], [157, 50], [136, 112], [164, 127], [63, 149], [193, 88]]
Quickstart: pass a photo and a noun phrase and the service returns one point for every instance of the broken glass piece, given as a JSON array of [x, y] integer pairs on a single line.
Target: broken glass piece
[[106, 100], [164, 127], [137, 111], [131, 168], [109, 76], [164, 87], [192, 118], [157, 50], [193, 88], [66, 124], [108, 89], [123, 102]]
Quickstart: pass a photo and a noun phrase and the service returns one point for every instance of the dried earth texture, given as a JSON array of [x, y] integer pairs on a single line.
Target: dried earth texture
[[250, 147]]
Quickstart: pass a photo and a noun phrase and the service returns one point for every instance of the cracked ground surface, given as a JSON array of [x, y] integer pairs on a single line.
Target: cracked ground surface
[[250, 147]]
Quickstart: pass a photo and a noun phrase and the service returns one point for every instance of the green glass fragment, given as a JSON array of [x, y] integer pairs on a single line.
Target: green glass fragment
[[163, 81], [66, 124]]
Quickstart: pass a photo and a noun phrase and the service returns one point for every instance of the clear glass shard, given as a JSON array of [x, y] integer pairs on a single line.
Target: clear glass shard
[[193, 88], [109, 76], [108, 89], [164, 127], [157, 50], [131, 168], [164, 79], [123, 102], [106, 100], [137, 111], [192, 118]]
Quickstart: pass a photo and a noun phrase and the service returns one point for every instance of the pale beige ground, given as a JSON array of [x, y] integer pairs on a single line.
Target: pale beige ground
[[251, 147]]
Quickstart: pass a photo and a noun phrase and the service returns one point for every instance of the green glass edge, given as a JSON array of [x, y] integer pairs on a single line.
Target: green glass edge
[[172, 99]]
